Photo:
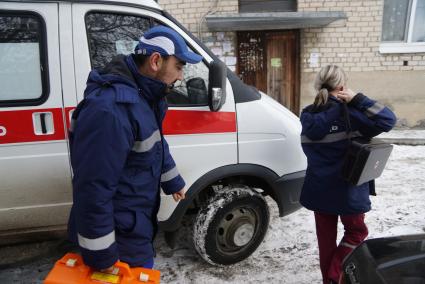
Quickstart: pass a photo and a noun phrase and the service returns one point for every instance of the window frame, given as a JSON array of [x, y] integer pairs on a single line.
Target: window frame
[[404, 46], [153, 22], [44, 65]]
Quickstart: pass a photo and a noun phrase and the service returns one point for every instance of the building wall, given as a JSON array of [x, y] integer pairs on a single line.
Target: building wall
[[192, 14], [354, 45]]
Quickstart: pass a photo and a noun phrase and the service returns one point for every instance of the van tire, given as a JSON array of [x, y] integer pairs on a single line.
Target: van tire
[[231, 225]]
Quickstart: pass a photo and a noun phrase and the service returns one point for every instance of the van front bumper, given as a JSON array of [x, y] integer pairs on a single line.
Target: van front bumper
[[287, 190]]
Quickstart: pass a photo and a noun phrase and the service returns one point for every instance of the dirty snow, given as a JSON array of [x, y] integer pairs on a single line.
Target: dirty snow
[[404, 133], [289, 253]]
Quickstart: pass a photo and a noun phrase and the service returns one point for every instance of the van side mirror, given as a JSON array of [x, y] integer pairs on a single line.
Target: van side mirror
[[217, 85]]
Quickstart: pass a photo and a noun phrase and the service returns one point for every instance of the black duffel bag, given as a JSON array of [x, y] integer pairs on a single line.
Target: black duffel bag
[[390, 260], [366, 158]]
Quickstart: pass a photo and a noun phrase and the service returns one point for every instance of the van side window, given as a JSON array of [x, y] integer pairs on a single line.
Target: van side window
[[193, 90], [23, 64], [110, 34]]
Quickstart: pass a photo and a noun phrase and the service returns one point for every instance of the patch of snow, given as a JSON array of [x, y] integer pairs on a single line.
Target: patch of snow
[[410, 134], [289, 251]]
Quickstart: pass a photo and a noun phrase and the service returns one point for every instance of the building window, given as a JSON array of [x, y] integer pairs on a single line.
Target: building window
[[23, 64], [403, 26], [255, 6]]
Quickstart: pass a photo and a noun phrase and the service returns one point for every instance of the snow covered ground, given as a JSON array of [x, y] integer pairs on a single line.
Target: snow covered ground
[[404, 133], [289, 252]]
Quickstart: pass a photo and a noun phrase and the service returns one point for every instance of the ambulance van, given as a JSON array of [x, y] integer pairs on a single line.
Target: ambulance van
[[233, 145]]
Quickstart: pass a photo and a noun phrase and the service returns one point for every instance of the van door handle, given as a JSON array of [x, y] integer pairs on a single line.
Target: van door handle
[[43, 123]]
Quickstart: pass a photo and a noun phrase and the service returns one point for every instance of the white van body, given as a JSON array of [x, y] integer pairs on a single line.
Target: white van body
[[251, 143]]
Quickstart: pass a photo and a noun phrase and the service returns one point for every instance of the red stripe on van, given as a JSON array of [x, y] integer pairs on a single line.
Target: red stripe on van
[[197, 122], [190, 122], [18, 126]]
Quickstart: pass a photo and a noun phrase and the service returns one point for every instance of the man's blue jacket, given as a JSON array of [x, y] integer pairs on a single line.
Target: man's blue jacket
[[120, 160], [325, 141]]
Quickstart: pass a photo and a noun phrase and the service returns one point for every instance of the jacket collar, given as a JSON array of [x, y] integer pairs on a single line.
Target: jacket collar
[[151, 89], [332, 98]]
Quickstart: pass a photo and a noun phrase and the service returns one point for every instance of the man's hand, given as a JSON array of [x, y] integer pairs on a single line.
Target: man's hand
[[179, 195], [108, 270]]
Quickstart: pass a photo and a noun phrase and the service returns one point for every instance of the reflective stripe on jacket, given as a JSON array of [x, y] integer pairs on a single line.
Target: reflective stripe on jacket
[[325, 141], [119, 159]]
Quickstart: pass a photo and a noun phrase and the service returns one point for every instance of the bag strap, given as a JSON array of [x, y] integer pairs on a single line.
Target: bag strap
[[347, 120]]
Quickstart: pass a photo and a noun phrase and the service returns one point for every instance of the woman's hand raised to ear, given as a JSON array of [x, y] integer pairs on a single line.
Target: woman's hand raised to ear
[[345, 95]]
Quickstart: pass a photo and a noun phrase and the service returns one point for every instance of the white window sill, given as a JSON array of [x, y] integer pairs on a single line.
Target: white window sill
[[402, 47]]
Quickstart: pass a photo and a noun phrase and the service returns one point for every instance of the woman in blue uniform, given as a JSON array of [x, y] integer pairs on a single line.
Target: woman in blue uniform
[[325, 141]]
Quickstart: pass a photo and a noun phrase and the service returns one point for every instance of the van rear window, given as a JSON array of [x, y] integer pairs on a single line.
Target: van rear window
[[111, 34], [23, 73]]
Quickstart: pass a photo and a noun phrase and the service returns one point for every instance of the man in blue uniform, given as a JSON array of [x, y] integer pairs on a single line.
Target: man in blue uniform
[[119, 156]]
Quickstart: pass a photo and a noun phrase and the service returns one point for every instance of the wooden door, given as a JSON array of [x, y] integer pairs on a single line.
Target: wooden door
[[270, 62], [282, 68]]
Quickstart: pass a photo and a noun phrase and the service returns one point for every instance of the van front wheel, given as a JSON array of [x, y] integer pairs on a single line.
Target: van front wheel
[[231, 226]]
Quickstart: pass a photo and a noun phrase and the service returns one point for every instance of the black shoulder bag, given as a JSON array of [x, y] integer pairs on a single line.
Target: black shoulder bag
[[366, 158]]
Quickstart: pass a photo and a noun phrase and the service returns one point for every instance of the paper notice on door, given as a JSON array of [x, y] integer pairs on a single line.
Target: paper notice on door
[[313, 60], [125, 46], [230, 60], [217, 51], [276, 62], [227, 47]]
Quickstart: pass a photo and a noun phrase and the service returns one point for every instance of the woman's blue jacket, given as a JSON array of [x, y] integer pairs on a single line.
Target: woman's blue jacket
[[325, 141]]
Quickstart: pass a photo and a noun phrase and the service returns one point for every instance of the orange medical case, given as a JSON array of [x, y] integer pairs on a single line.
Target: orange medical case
[[70, 269]]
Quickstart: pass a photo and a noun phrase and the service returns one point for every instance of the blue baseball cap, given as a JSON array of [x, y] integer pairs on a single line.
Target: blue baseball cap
[[165, 41]]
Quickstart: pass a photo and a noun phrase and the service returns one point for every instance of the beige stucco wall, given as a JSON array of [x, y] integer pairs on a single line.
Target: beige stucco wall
[[352, 43], [403, 92]]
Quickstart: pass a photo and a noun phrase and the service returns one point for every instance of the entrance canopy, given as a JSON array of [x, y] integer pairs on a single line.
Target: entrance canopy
[[272, 20]]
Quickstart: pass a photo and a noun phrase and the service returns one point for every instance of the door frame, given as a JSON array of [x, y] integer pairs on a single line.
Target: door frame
[[296, 76]]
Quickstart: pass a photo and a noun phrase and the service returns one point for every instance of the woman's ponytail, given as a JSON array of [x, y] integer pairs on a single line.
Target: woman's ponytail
[[321, 97]]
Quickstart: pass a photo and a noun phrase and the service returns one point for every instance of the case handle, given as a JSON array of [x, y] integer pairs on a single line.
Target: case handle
[[125, 270]]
